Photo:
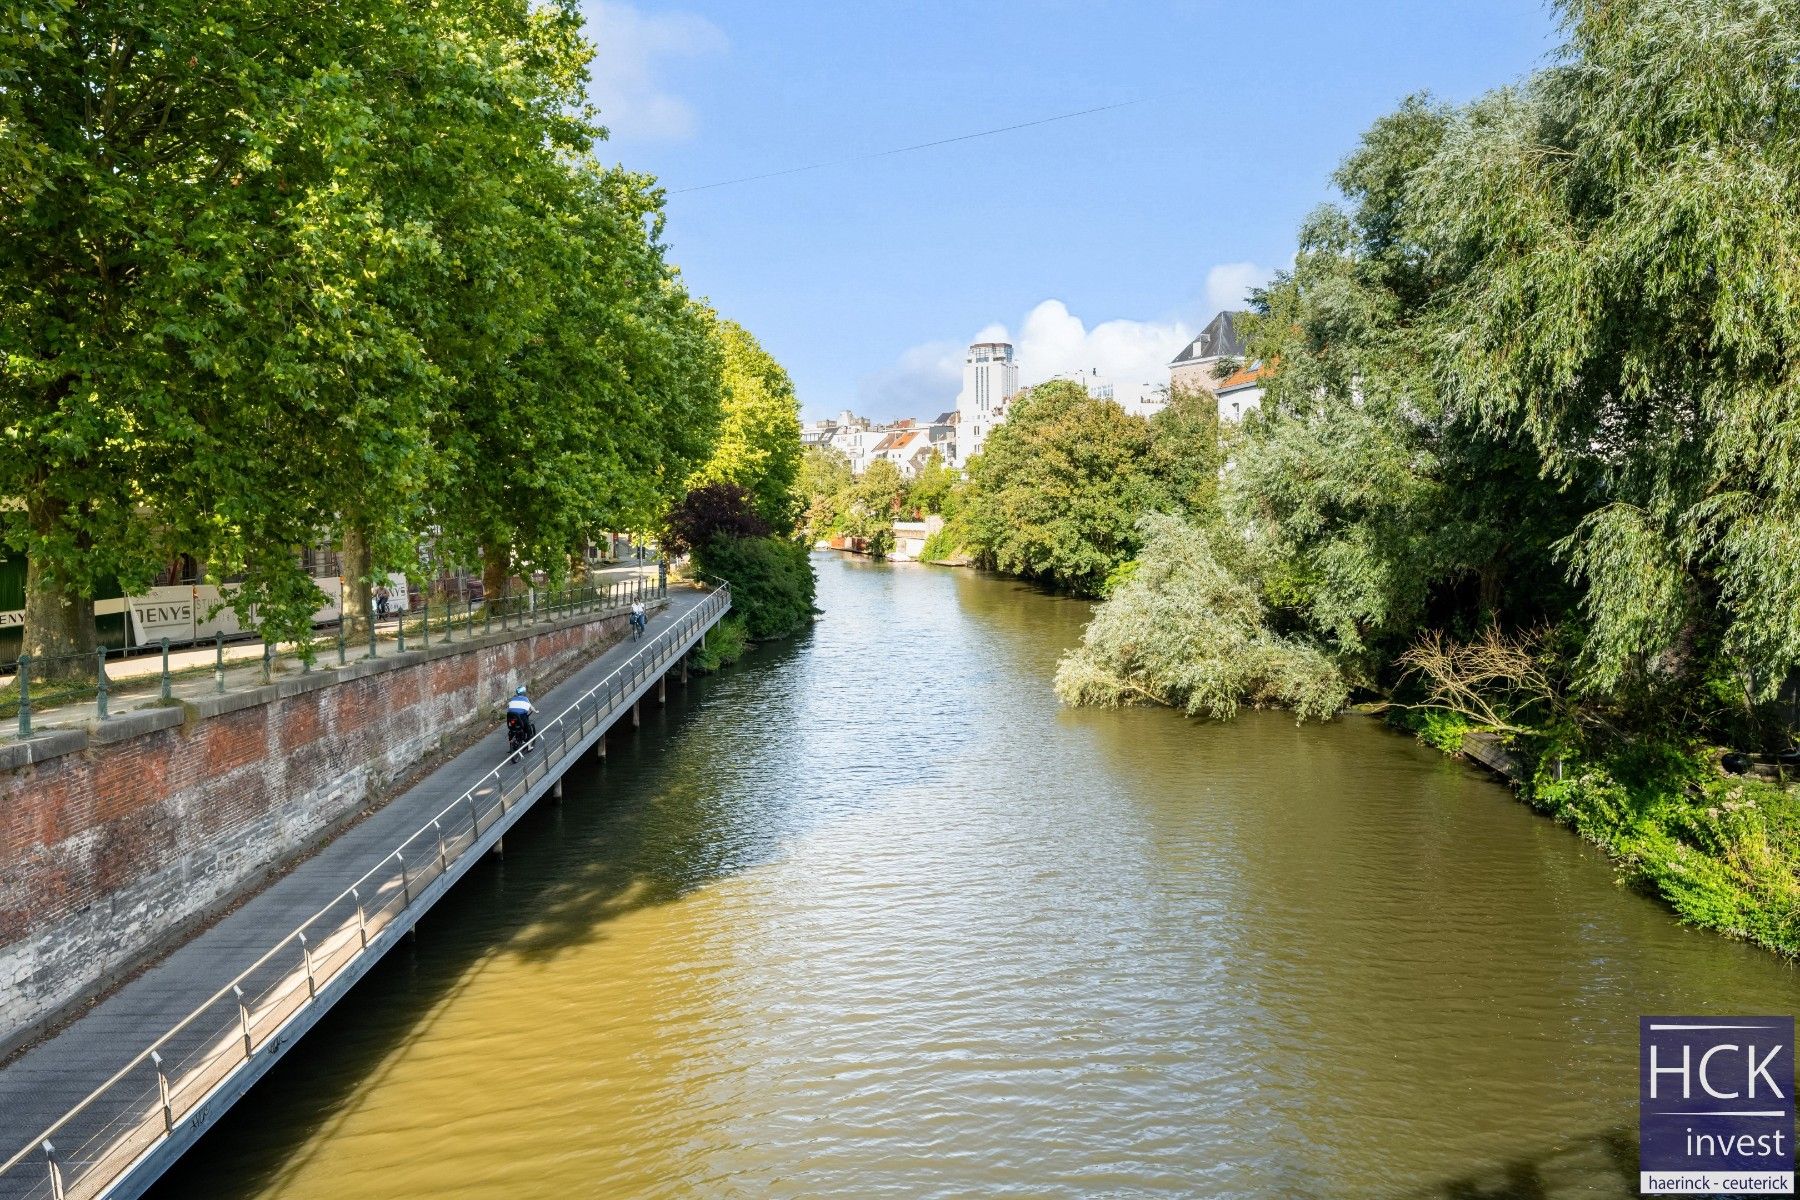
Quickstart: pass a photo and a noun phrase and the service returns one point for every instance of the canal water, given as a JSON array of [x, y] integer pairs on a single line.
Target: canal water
[[870, 915]]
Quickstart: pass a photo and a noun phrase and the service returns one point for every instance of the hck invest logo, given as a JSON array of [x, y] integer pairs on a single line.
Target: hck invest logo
[[1716, 1105]]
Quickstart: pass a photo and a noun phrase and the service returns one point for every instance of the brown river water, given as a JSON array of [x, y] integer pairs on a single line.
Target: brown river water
[[870, 915]]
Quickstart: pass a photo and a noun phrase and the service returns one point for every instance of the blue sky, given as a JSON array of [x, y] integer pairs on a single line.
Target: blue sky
[[1102, 241]]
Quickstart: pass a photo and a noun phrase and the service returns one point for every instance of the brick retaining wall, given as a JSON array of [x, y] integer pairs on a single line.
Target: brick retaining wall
[[117, 840]]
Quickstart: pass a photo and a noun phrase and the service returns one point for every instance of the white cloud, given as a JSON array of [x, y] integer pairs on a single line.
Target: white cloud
[[1131, 355], [630, 45], [1228, 285]]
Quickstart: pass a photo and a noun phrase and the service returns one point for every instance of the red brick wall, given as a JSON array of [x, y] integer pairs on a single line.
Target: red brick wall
[[107, 853]]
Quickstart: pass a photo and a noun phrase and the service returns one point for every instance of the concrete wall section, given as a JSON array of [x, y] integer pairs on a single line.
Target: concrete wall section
[[115, 843]]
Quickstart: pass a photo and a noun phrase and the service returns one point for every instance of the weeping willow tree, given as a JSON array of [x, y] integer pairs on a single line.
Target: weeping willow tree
[[1628, 228]]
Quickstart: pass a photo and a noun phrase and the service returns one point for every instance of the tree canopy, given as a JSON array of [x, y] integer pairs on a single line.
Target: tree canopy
[[272, 275]]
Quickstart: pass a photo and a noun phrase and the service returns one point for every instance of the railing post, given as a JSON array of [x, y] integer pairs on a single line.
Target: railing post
[[474, 819], [341, 658], [268, 661], [100, 691], [487, 614], [243, 1019], [312, 991], [405, 881], [373, 652], [443, 858], [449, 620], [400, 634], [167, 691], [505, 600], [162, 1091], [425, 622], [24, 695], [56, 1179], [362, 920]]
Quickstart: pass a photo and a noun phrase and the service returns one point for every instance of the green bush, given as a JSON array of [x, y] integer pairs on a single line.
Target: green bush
[[772, 584], [1183, 630], [725, 644]]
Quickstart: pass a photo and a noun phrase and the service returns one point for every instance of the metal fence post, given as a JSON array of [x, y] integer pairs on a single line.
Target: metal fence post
[[405, 881], [400, 634], [443, 858], [487, 614], [370, 614], [24, 695], [341, 659], [268, 661], [425, 621], [167, 692], [56, 1179], [100, 691], [449, 620], [362, 920], [244, 1020], [218, 660], [162, 1091], [312, 990]]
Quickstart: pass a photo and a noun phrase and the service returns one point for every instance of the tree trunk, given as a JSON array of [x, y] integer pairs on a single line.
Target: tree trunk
[[358, 568], [1487, 602], [59, 622], [496, 569]]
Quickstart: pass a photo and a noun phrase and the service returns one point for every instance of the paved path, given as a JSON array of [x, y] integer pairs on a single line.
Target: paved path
[[136, 679], [41, 1085]]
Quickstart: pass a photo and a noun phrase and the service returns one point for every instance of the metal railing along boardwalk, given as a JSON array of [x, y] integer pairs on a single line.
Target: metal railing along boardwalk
[[152, 1098]]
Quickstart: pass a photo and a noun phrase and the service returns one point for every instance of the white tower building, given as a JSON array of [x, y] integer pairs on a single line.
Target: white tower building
[[990, 377]]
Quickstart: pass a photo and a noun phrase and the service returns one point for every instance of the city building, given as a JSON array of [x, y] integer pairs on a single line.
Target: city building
[[990, 378], [1196, 368], [1091, 381]]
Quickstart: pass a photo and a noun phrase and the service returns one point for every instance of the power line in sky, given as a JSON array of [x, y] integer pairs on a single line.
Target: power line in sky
[[966, 137]]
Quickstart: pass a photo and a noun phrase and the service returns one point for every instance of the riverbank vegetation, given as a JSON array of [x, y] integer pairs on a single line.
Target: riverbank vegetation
[[721, 527], [1527, 461], [278, 277]]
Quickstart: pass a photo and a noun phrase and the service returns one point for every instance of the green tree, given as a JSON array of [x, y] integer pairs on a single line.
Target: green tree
[[823, 480], [1058, 489], [758, 444], [1188, 629], [1633, 261], [874, 502], [935, 488]]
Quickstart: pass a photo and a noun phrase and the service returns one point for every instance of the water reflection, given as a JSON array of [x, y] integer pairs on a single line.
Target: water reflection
[[871, 915]]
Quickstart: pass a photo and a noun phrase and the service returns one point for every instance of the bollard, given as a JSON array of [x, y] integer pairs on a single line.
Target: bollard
[[24, 695], [167, 692], [100, 686]]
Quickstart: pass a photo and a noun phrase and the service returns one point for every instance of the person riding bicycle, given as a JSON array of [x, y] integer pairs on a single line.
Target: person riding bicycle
[[637, 615], [520, 710]]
